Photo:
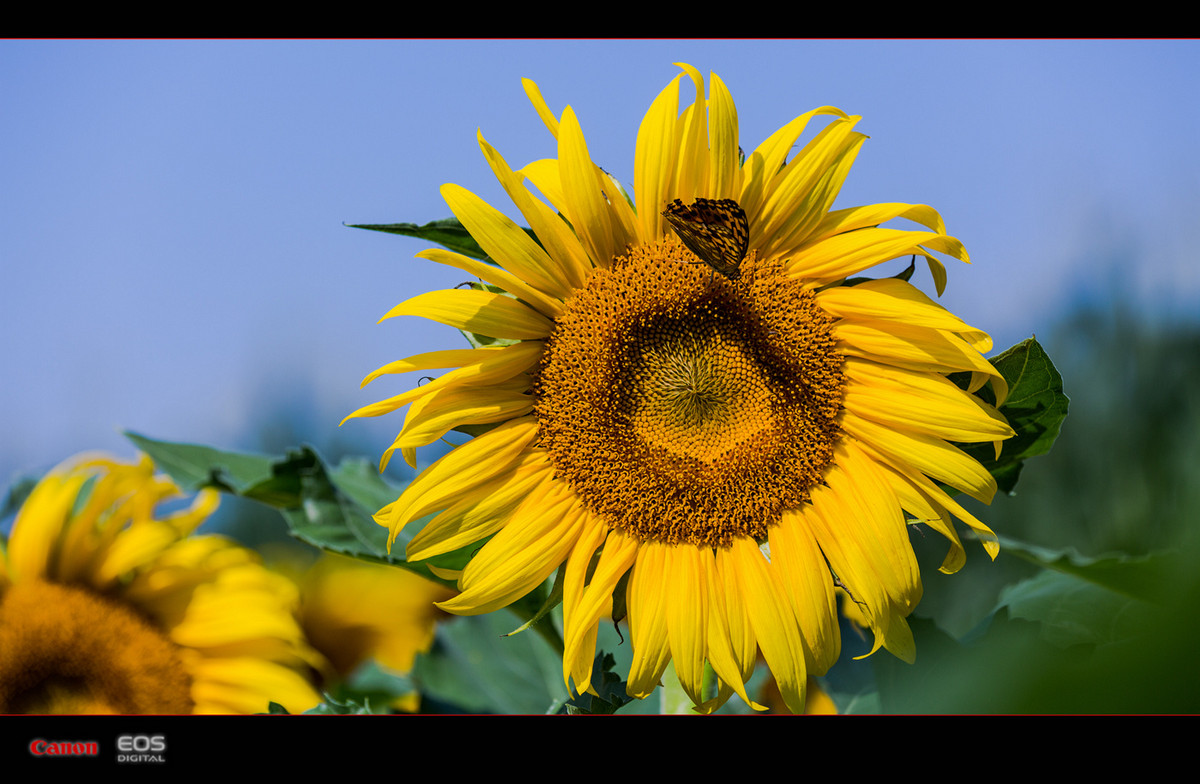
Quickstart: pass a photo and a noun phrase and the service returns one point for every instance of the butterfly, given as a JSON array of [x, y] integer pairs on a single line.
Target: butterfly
[[716, 230]]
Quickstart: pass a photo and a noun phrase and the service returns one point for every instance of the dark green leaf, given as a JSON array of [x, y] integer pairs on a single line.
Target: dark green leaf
[[448, 232], [1146, 577], [193, 467], [331, 510], [1072, 611], [610, 690], [1036, 408], [334, 707]]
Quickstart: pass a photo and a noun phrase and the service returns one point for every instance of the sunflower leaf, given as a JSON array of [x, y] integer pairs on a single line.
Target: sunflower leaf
[[610, 690], [329, 509], [194, 466], [466, 668], [1035, 408], [447, 232], [1144, 577]]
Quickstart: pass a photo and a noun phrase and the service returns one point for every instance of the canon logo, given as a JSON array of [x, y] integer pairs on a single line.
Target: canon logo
[[63, 748]]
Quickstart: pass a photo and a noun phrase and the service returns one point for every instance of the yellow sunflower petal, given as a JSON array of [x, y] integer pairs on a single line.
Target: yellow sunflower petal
[[647, 621], [585, 201], [505, 242], [560, 243], [517, 559], [483, 510], [481, 312], [539, 104], [616, 559], [580, 627], [806, 577], [467, 467], [773, 622], [654, 161], [687, 617]]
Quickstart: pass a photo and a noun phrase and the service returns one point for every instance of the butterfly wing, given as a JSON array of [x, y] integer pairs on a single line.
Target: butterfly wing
[[716, 230]]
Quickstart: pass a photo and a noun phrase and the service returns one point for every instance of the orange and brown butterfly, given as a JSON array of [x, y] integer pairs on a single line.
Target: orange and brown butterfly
[[716, 230]]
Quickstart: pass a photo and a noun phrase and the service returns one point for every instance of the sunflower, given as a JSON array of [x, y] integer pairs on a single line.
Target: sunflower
[[738, 445], [391, 629], [109, 607]]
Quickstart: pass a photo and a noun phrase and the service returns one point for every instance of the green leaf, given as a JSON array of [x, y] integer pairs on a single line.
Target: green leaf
[[194, 466], [1145, 577], [348, 707], [470, 668], [1035, 408], [610, 690], [448, 232], [1072, 611], [331, 510]]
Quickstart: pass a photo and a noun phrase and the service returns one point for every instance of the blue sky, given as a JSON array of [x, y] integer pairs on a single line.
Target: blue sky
[[171, 212]]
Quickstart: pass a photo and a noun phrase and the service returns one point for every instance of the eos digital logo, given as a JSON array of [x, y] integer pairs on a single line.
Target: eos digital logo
[[141, 748]]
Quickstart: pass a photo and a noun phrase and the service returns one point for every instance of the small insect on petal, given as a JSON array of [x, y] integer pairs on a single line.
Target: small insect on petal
[[716, 230]]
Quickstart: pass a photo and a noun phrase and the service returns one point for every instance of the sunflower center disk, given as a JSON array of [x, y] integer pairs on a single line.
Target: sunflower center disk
[[682, 406], [67, 650]]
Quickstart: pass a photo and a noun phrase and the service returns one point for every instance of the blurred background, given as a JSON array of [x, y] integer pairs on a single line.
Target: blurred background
[[175, 260]]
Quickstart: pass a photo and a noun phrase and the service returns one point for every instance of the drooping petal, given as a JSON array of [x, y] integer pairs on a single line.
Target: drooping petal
[[646, 602], [774, 624], [810, 588], [467, 467], [687, 617], [518, 558]]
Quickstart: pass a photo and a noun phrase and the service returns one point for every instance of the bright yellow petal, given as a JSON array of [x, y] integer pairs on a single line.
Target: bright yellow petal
[[725, 166], [810, 588], [890, 300], [560, 243], [654, 161], [579, 627], [585, 201], [687, 616], [548, 306], [505, 242], [539, 104], [481, 312], [920, 402], [762, 168], [647, 621], [518, 558], [482, 511], [460, 471], [774, 624]]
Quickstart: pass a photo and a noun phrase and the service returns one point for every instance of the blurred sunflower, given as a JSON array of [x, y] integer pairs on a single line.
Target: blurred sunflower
[[740, 444], [109, 607], [392, 628]]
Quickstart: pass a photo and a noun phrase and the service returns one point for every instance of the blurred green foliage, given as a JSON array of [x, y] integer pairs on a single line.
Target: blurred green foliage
[[1119, 491]]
